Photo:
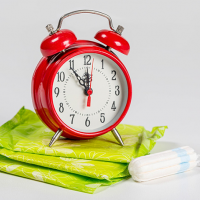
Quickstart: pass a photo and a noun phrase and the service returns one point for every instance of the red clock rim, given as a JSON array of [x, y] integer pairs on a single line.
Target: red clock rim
[[70, 130]]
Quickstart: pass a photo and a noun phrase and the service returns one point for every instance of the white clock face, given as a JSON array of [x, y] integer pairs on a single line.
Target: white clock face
[[72, 84]]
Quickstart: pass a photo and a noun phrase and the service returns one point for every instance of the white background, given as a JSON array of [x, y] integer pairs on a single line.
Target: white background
[[164, 65]]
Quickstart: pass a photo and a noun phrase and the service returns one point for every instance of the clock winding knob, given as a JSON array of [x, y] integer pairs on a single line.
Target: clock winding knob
[[50, 28], [119, 29]]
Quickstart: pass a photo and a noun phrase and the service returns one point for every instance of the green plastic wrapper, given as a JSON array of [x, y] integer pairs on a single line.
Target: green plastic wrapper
[[82, 165]]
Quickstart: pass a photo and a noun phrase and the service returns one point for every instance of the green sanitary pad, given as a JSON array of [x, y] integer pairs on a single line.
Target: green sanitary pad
[[82, 165]]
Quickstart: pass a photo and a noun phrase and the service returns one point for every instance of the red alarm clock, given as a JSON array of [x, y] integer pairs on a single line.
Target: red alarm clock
[[80, 88]]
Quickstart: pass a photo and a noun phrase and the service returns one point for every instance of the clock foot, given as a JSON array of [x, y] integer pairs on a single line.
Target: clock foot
[[55, 137], [117, 136]]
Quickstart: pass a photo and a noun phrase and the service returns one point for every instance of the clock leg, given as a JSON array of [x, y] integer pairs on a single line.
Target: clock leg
[[117, 136], [55, 137]]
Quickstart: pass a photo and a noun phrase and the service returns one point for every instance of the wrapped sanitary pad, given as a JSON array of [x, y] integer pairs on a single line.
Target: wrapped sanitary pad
[[82, 165], [162, 164]]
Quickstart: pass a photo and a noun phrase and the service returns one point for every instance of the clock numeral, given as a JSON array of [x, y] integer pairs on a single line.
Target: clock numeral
[[87, 59], [61, 76], [57, 91], [114, 72], [87, 122], [72, 115], [71, 64], [117, 92], [102, 117], [102, 63], [113, 107], [61, 108]]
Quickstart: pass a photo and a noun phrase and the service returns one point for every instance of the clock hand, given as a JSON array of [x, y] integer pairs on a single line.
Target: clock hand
[[89, 92], [80, 80], [88, 82]]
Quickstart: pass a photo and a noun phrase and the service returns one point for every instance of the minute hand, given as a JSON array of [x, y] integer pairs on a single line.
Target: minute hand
[[80, 80]]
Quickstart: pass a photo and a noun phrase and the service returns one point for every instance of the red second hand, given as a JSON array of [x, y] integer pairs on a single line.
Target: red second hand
[[89, 92]]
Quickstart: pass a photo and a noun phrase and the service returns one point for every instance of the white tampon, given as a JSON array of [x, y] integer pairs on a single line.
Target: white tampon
[[162, 164]]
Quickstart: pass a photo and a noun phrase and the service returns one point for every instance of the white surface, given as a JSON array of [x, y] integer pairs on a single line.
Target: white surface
[[163, 63]]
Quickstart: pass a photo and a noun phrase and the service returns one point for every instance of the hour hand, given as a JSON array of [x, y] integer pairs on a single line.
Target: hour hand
[[80, 80]]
